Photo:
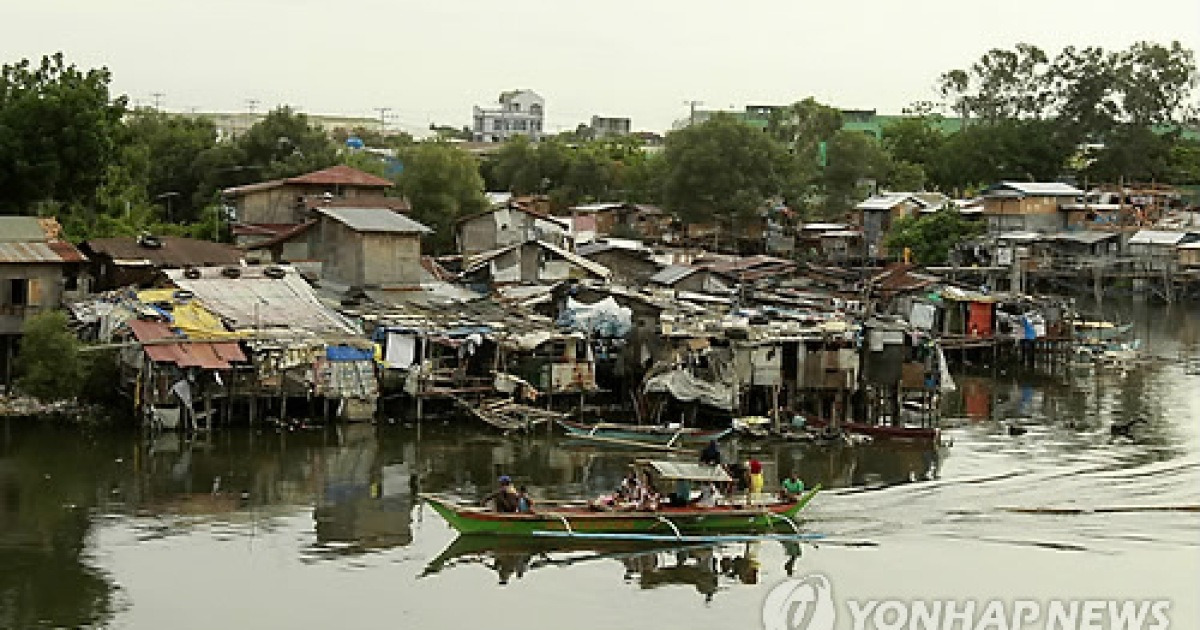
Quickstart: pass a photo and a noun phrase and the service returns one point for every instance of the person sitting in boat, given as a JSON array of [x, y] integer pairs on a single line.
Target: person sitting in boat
[[629, 487], [711, 455], [524, 501], [708, 496], [505, 498], [791, 487]]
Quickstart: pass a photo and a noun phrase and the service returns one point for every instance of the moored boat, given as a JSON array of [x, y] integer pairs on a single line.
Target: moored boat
[[646, 434]]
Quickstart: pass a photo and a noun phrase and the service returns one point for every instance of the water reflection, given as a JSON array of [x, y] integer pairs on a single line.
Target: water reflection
[[646, 565]]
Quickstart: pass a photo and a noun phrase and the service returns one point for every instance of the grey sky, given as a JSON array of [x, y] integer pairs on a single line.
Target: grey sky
[[431, 60]]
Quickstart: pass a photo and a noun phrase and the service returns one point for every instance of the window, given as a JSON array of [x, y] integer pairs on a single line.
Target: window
[[498, 125], [18, 292]]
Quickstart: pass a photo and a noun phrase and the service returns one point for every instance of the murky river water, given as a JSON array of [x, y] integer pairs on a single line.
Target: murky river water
[[319, 528]]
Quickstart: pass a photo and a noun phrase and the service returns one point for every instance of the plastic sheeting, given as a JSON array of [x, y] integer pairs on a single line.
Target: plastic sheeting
[[605, 318], [687, 388], [348, 353]]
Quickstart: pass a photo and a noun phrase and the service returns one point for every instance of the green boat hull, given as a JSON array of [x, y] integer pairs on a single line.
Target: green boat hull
[[664, 522]]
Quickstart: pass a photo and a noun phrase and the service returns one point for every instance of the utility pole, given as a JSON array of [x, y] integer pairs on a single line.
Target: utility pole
[[383, 115], [692, 110], [157, 100]]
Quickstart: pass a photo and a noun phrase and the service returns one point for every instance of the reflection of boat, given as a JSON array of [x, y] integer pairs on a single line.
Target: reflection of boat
[[1100, 330], [652, 565], [642, 434], [684, 523]]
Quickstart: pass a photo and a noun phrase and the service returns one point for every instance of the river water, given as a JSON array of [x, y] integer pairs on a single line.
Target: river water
[[319, 528]]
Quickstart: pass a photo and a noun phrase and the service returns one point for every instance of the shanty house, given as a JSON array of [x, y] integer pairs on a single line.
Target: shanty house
[[1161, 250], [880, 212], [503, 227], [625, 219], [368, 247], [533, 261], [123, 261], [631, 263], [36, 268], [1028, 206]]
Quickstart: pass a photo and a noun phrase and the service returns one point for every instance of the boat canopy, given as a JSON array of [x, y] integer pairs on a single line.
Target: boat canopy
[[685, 471]]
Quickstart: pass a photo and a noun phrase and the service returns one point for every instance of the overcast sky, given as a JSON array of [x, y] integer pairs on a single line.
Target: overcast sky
[[431, 60]]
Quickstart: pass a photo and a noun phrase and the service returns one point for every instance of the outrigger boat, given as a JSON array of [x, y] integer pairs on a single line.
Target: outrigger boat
[[653, 435], [690, 523]]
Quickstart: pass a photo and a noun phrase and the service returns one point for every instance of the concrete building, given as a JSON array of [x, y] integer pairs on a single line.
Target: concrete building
[[606, 127], [519, 112]]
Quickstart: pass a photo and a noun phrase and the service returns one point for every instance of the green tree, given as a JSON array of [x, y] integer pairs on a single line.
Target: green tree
[[1156, 82], [49, 366], [719, 168], [173, 146], [515, 167], [854, 160], [1134, 153], [931, 237], [443, 184], [285, 144], [914, 139], [1002, 84], [1024, 150], [58, 127]]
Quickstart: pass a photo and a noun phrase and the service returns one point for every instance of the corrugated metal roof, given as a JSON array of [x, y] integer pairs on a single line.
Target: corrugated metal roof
[[886, 201], [39, 253], [1086, 238], [26, 229], [1157, 237], [341, 175], [175, 251], [672, 274], [1037, 189], [201, 354], [689, 471], [374, 220], [254, 300]]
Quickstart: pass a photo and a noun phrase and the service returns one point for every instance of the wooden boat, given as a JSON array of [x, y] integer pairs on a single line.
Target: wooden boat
[[884, 431], [642, 434], [685, 523]]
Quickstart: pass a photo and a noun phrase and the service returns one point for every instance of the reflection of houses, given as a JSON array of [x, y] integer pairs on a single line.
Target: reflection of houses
[[267, 208], [503, 227], [1027, 206], [124, 260], [37, 268]]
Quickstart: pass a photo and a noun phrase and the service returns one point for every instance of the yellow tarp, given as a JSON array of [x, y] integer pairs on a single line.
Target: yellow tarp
[[190, 316]]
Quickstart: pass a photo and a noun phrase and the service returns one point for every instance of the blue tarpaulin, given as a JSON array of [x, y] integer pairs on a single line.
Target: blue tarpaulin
[[347, 353]]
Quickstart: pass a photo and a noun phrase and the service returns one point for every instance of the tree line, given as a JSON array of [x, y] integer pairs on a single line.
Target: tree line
[[70, 148]]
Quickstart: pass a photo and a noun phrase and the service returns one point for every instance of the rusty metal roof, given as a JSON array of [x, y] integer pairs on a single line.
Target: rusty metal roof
[[341, 175], [202, 354], [175, 251]]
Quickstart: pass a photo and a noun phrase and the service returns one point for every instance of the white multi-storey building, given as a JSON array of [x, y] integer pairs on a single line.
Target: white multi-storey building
[[520, 112]]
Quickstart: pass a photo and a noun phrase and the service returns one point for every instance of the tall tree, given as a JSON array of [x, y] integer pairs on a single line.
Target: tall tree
[[1002, 84], [285, 144], [443, 184], [855, 160], [719, 168], [174, 145], [58, 127], [1156, 82]]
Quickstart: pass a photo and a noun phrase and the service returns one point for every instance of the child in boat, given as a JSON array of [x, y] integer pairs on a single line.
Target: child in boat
[[791, 487]]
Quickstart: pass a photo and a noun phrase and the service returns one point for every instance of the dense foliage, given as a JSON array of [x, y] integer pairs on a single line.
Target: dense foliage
[[931, 237], [49, 366]]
